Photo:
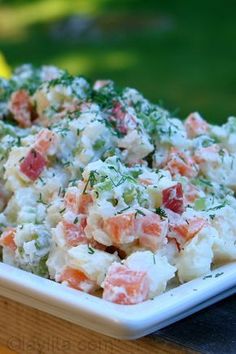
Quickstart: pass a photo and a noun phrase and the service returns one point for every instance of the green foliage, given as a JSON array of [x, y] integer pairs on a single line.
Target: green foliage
[[181, 52]]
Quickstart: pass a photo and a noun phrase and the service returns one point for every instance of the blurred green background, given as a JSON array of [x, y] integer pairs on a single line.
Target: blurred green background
[[182, 53]]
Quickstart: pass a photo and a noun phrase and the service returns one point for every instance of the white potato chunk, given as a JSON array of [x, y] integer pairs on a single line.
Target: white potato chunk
[[92, 262], [195, 258], [158, 269]]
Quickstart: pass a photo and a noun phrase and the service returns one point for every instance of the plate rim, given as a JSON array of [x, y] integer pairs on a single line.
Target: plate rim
[[119, 321]]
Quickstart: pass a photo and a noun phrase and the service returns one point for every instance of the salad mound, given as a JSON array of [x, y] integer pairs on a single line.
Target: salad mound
[[101, 189]]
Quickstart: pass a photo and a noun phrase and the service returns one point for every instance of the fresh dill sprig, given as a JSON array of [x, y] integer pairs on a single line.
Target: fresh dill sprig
[[161, 212]]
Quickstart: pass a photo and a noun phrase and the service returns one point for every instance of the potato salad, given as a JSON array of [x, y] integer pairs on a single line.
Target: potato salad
[[105, 192]]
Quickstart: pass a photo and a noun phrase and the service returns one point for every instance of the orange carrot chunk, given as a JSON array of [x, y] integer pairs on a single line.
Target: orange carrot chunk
[[119, 227], [151, 231], [188, 228], [125, 286], [21, 108], [7, 238], [74, 233], [76, 279]]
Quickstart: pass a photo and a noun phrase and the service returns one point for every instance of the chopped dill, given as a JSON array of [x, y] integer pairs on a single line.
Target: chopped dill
[[40, 200], [91, 180], [122, 210], [161, 212], [139, 212], [90, 250], [76, 220]]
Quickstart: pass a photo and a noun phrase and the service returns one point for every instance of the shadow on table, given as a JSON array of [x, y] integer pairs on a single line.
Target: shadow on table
[[212, 330]]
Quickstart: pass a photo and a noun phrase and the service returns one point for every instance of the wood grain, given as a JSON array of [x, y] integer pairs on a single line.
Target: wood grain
[[26, 330], [5, 350]]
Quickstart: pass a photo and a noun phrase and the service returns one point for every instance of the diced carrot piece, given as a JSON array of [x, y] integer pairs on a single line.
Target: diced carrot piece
[[173, 198], [145, 181], [125, 286], [84, 200], [21, 108], [77, 280], [151, 231], [33, 165], [77, 202], [7, 238], [71, 200], [45, 140], [74, 233], [178, 163], [120, 227], [195, 125], [187, 229]]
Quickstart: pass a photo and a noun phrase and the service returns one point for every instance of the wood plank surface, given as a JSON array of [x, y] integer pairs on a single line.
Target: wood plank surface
[[5, 350], [26, 330]]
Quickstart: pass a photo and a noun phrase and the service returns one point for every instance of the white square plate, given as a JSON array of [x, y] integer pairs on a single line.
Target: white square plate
[[119, 321]]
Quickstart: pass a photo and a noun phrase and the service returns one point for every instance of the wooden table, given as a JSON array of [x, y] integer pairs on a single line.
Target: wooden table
[[26, 330]]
